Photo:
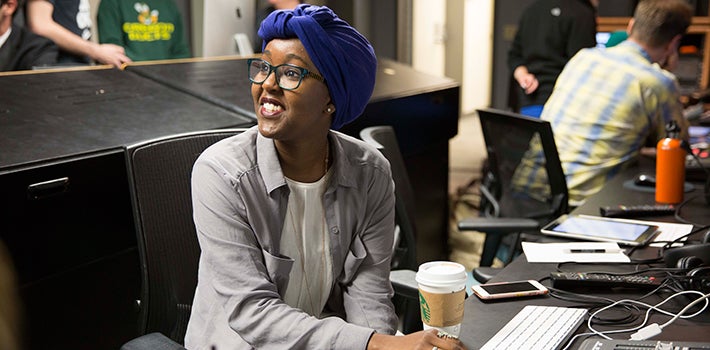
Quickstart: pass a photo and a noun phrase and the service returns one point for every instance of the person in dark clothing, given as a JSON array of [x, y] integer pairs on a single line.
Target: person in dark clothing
[[549, 33], [21, 49]]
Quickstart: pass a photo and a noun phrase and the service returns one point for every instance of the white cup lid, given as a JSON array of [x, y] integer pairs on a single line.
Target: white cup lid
[[441, 274]]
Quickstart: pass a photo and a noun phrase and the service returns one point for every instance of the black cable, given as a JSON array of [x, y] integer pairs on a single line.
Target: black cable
[[678, 217], [670, 244], [706, 189], [593, 303], [676, 213]]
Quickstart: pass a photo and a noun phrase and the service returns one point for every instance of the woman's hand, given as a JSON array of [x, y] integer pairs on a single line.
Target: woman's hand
[[422, 340]]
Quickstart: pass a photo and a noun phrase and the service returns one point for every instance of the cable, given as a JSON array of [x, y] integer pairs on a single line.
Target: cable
[[650, 308], [681, 312], [681, 205], [645, 332], [670, 244]]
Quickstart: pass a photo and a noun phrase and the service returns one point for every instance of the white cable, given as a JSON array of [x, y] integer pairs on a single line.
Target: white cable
[[650, 307], [681, 312], [654, 329]]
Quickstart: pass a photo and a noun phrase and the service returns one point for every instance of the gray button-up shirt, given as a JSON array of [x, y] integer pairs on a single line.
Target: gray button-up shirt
[[240, 198]]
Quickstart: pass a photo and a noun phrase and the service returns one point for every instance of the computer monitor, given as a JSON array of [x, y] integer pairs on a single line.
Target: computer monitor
[[221, 27], [602, 38]]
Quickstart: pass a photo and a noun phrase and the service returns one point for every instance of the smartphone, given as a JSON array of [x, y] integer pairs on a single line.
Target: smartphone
[[502, 290]]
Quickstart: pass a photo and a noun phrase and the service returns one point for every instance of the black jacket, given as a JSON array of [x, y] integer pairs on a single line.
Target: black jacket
[[549, 33], [25, 50]]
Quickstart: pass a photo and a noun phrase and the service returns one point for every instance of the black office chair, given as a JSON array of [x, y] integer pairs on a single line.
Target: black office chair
[[514, 141], [404, 262], [159, 173]]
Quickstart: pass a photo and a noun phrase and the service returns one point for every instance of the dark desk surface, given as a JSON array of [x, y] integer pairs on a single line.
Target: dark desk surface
[[696, 210], [225, 78], [483, 320], [55, 114], [222, 81]]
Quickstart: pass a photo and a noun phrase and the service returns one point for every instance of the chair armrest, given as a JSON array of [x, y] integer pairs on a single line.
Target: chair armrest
[[405, 283], [483, 274], [152, 341], [498, 225]]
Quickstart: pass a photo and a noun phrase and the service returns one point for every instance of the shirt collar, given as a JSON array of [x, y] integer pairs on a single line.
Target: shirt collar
[[270, 168], [636, 47], [268, 162], [3, 38]]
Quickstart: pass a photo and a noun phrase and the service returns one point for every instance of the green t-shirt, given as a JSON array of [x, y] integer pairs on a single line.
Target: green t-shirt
[[147, 29]]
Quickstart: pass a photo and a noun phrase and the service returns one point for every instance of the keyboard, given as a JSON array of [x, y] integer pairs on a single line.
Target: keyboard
[[537, 328], [615, 344]]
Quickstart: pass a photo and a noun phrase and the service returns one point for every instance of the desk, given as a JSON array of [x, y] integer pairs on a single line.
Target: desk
[[614, 193], [483, 320]]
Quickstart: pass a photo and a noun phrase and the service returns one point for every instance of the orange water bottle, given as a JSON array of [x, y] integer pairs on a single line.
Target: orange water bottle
[[670, 166]]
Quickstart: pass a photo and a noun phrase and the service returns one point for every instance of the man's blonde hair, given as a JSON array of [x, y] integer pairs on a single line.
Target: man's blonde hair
[[657, 22]]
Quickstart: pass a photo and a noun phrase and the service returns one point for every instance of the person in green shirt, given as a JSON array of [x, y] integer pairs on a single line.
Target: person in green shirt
[[147, 29]]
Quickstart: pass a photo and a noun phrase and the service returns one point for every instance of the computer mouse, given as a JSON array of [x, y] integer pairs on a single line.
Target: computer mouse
[[645, 180]]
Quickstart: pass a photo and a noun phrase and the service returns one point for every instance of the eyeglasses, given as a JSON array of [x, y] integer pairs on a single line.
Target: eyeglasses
[[288, 76]]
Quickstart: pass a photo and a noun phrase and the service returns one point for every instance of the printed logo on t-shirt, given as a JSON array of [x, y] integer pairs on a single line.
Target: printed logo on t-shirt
[[147, 28], [83, 19]]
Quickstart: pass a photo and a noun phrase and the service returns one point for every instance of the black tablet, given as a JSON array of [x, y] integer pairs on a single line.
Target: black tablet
[[594, 228]]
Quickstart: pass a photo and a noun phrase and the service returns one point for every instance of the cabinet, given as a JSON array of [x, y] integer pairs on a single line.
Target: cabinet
[[693, 71]]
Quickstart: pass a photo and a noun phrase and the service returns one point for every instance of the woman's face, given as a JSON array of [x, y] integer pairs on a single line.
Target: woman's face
[[287, 115]]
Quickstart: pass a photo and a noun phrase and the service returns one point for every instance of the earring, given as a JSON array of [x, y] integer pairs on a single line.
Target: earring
[[330, 110]]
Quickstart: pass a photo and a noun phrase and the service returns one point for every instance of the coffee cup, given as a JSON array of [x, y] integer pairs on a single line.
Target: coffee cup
[[442, 291]]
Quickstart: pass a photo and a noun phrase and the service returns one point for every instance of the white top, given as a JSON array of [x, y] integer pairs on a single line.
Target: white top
[[305, 239], [3, 38]]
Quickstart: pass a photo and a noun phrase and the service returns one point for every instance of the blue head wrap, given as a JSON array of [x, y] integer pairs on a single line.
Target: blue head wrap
[[342, 55]]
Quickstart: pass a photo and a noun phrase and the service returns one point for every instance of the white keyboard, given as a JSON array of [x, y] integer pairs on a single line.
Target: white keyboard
[[537, 328]]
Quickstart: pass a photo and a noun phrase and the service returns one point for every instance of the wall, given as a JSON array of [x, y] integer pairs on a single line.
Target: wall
[[477, 55], [455, 38]]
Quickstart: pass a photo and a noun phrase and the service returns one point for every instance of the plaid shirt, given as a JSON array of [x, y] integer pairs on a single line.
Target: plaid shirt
[[607, 104]]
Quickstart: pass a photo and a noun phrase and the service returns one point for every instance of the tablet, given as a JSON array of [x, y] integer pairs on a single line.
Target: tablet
[[594, 228]]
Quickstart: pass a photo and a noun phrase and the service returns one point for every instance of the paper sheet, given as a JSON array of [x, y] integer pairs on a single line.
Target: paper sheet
[[670, 232], [562, 252]]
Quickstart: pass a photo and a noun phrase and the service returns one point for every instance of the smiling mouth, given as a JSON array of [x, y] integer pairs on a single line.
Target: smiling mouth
[[271, 107]]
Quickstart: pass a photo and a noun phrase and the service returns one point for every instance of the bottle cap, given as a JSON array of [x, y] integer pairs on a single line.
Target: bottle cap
[[672, 130]]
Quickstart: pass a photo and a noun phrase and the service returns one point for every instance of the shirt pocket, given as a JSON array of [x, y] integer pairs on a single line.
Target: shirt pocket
[[353, 260], [279, 270]]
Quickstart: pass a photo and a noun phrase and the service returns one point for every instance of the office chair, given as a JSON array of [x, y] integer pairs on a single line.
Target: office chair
[[159, 175], [514, 143], [404, 262]]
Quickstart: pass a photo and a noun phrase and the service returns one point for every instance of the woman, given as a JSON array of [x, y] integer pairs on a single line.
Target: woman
[[295, 221]]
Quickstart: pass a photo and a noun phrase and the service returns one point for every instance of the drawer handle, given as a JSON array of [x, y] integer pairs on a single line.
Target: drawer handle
[[48, 188]]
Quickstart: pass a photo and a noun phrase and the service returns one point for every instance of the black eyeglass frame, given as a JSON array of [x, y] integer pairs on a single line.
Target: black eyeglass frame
[[304, 73]]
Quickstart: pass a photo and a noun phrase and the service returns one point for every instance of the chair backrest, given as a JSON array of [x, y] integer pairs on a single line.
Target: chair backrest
[[385, 139], [159, 175], [519, 150]]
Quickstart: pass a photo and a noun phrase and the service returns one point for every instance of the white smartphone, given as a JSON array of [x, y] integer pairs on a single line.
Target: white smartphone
[[514, 289]]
